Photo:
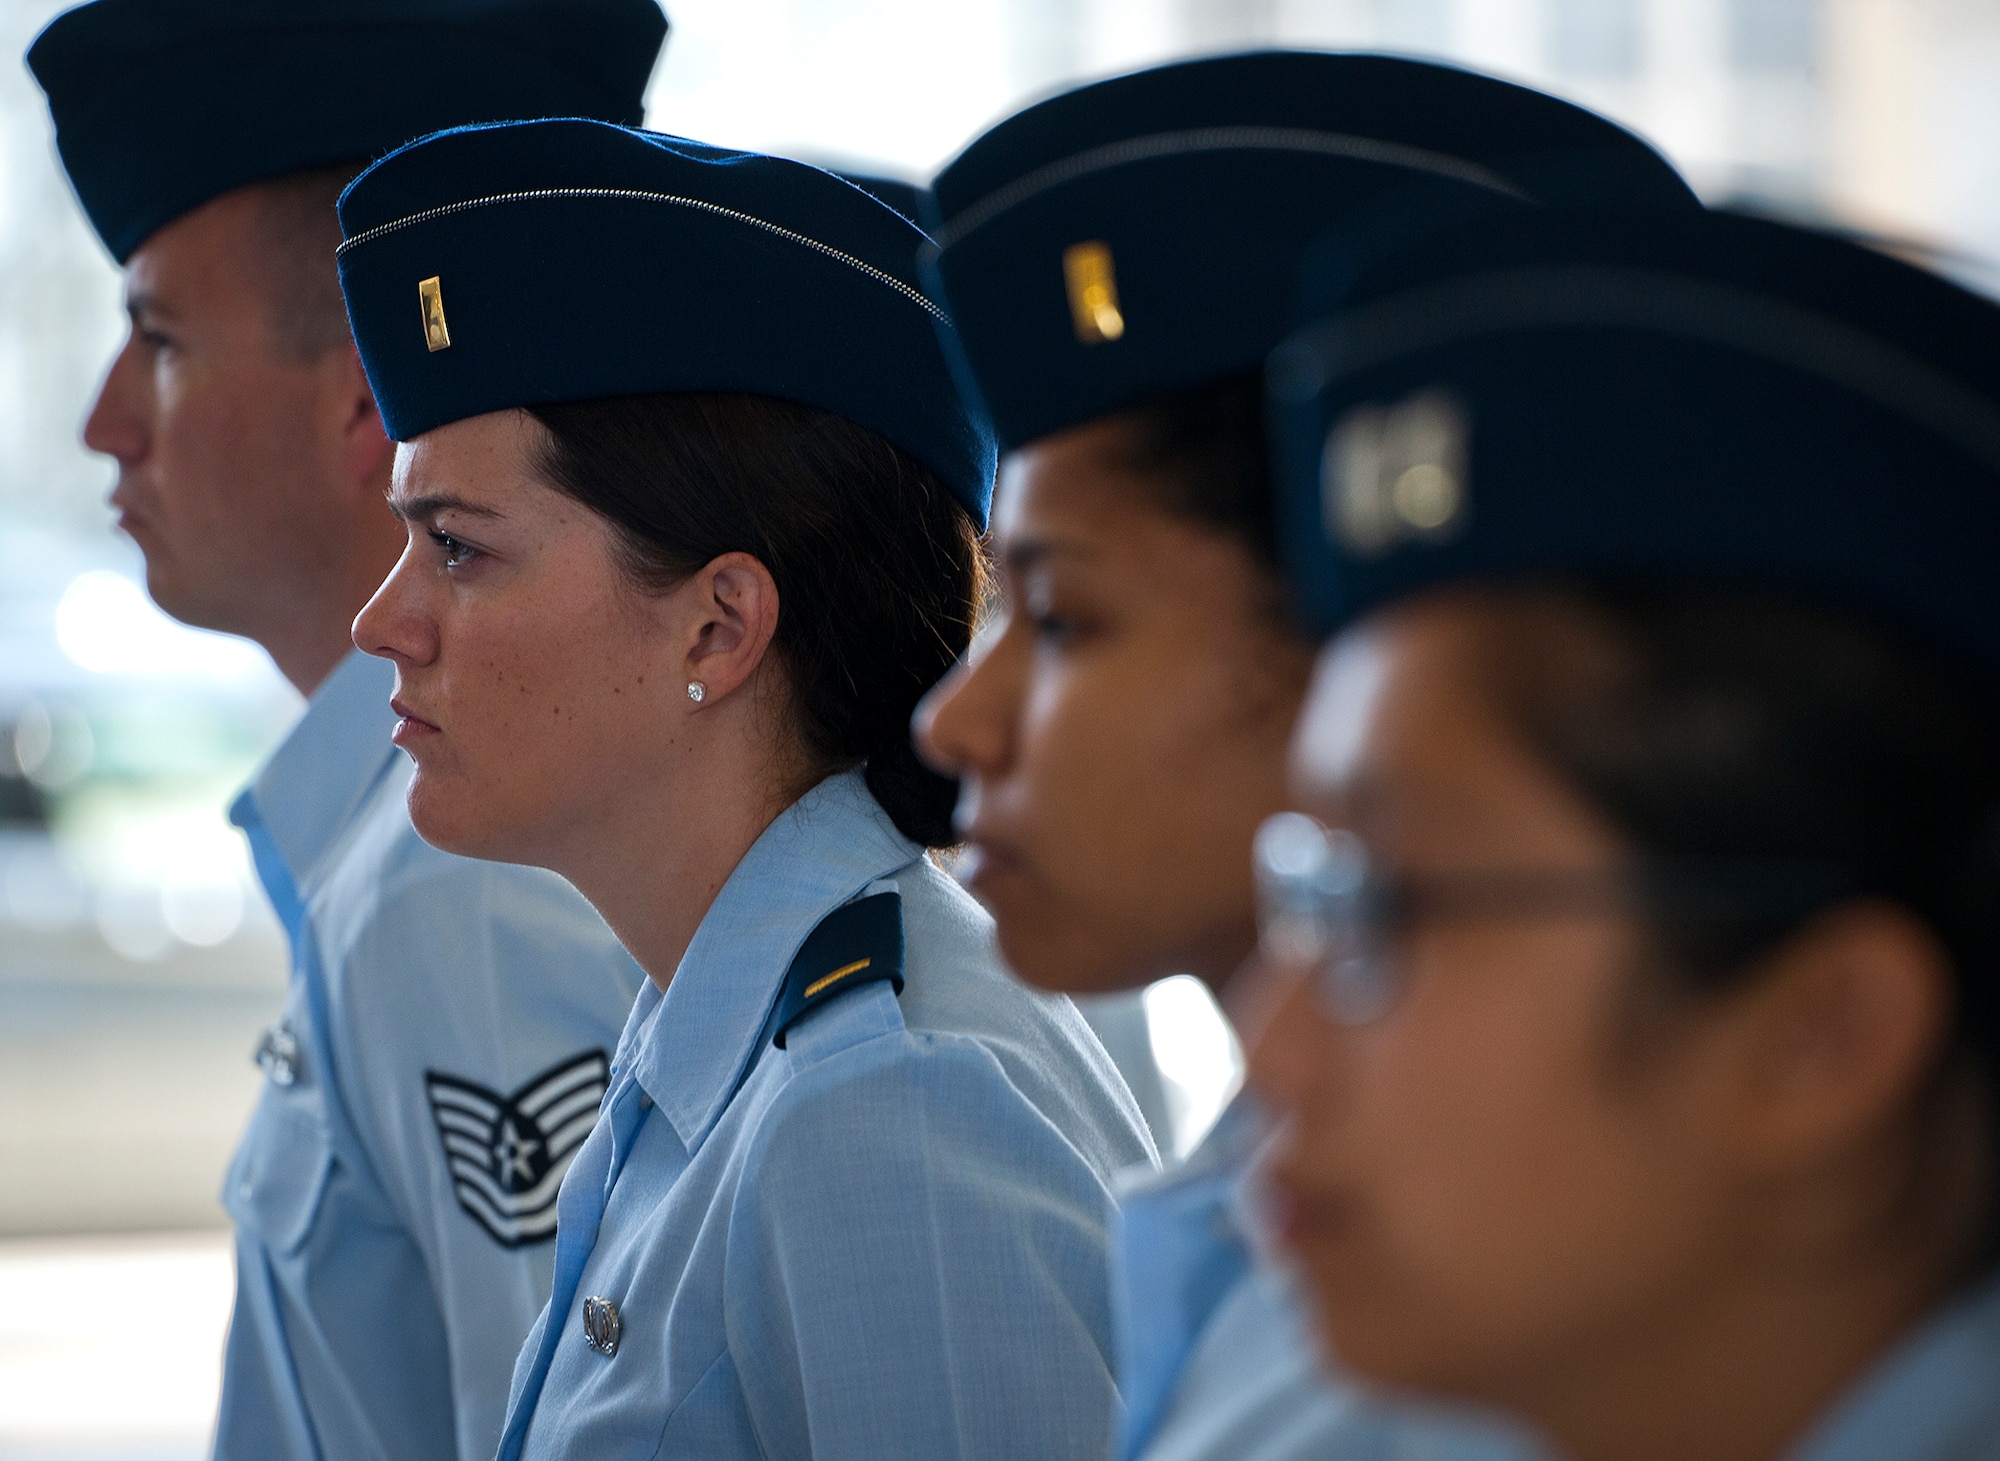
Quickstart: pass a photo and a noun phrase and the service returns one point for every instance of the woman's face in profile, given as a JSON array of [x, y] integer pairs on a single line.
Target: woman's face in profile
[[1510, 1169], [534, 682], [1120, 728]]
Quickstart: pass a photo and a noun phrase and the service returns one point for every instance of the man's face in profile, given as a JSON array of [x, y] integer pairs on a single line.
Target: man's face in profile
[[212, 421]]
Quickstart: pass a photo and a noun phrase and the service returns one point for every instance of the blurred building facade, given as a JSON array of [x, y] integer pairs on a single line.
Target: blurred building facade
[[1882, 115]]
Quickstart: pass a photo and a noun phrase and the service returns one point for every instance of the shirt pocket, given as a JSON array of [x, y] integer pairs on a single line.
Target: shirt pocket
[[281, 1169]]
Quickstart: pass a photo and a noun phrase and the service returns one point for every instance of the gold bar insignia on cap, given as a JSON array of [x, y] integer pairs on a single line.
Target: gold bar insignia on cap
[[431, 296], [1093, 292]]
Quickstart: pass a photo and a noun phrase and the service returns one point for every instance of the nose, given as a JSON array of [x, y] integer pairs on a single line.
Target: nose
[[396, 624], [118, 425], [966, 725]]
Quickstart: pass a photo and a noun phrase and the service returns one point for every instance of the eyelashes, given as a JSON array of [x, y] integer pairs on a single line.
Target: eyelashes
[[457, 552]]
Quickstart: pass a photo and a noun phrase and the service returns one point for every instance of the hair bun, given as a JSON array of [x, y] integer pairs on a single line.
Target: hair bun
[[918, 800]]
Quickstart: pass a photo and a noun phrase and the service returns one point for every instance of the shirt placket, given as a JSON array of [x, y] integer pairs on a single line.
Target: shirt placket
[[586, 1192]]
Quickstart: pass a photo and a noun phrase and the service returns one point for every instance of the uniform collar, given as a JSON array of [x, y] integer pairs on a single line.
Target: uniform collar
[[1228, 1151], [690, 1050], [313, 782], [1181, 1250], [1930, 1398]]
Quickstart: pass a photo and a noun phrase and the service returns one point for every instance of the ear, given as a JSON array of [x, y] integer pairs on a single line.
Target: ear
[[362, 447], [734, 605], [1839, 1034]]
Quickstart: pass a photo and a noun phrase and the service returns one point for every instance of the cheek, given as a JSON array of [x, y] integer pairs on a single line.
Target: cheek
[[202, 408], [227, 456], [541, 712], [1154, 751], [189, 428], [1509, 1193], [1141, 775]]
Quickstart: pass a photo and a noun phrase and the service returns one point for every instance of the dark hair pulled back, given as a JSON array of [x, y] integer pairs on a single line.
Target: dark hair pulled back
[[1719, 729], [878, 569]]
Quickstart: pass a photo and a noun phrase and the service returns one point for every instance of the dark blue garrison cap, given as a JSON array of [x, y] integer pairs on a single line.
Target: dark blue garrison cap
[[1138, 236], [906, 197], [1632, 397], [161, 105], [536, 262]]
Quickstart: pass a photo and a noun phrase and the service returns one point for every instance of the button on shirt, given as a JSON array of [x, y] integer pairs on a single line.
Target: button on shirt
[[1215, 1360], [1934, 1397], [443, 1049], [887, 1238]]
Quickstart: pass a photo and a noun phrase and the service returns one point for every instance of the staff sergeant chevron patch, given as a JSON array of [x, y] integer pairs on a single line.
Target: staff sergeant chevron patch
[[507, 1154]]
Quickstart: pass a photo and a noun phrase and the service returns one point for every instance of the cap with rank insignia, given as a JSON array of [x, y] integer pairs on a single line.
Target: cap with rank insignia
[[1139, 236], [858, 943], [161, 105], [1633, 397], [906, 197], [540, 262]]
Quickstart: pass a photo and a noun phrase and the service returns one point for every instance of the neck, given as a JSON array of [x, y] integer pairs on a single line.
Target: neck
[[1738, 1386], [1741, 1365], [653, 862], [308, 659]]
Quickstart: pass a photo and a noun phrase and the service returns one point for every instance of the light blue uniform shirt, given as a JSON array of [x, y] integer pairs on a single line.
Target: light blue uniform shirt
[[442, 1053], [1934, 1397], [884, 1241], [1215, 1360]]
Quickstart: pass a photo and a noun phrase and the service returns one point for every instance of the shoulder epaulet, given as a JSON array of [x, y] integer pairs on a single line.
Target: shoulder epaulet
[[856, 944]]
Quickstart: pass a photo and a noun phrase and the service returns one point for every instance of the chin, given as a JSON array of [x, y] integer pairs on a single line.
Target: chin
[[1371, 1346], [1395, 1342], [1047, 955], [183, 607], [453, 820]]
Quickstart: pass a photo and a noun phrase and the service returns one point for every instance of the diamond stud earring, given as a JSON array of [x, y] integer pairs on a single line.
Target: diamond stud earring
[[697, 692]]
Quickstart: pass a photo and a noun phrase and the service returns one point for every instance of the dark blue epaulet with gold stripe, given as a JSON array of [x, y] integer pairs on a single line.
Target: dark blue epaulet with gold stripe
[[856, 944]]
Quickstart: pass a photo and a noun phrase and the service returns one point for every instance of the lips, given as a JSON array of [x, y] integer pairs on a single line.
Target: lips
[[129, 517], [987, 859], [409, 725], [1302, 1217]]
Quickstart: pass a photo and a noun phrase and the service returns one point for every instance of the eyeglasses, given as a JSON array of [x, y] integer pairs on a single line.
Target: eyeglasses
[[1325, 906]]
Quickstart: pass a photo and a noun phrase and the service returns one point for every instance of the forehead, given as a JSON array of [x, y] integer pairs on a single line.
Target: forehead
[[211, 271], [1077, 482], [214, 256], [490, 461], [1331, 737], [1397, 696]]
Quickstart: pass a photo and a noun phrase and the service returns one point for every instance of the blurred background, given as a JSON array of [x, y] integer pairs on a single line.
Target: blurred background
[[137, 959]]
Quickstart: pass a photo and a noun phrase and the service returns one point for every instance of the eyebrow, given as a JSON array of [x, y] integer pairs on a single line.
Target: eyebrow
[[143, 304], [432, 504], [1023, 555]]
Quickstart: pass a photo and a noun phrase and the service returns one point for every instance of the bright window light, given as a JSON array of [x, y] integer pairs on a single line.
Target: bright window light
[[116, 1342], [1197, 1055], [107, 625]]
